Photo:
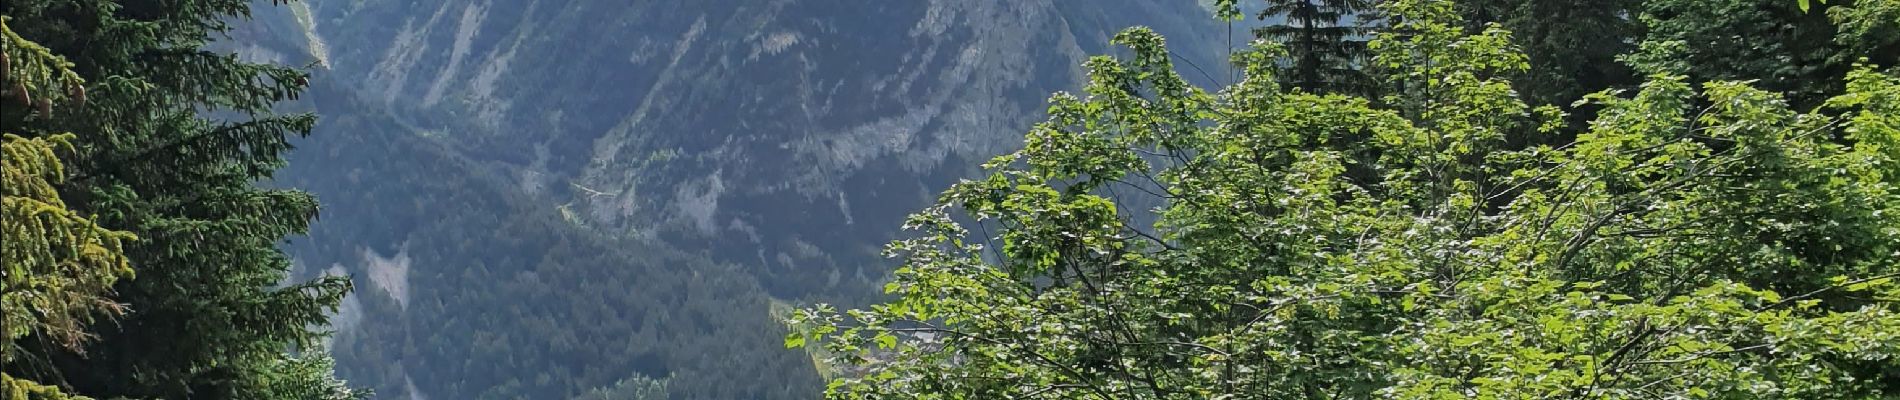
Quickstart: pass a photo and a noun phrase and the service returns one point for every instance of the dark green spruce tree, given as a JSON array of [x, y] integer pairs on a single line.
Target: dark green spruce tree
[[1325, 43], [168, 142], [1572, 46]]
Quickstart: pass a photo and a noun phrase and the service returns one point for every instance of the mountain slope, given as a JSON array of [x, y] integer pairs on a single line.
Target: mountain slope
[[538, 198], [468, 290], [790, 136]]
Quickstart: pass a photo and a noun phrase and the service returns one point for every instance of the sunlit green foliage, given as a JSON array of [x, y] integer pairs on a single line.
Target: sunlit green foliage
[[22, 389], [1802, 55], [1869, 27], [59, 266], [1695, 241]]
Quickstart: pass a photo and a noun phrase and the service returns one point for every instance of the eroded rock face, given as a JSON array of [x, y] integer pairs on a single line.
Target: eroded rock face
[[735, 124], [784, 138]]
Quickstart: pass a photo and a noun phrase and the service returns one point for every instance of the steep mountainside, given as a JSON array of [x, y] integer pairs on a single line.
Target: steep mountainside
[[789, 136], [538, 198], [467, 289]]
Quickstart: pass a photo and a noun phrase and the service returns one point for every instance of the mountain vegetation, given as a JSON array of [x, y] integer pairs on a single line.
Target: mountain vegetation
[[1699, 237], [141, 259], [558, 199], [483, 293]]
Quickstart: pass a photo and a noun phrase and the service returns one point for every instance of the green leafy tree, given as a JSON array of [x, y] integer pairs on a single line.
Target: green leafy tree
[[1786, 46], [208, 315], [1697, 241], [1868, 27], [1325, 42], [1572, 46]]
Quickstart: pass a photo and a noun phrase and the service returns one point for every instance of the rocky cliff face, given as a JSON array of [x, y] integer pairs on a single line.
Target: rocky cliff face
[[758, 129], [526, 190]]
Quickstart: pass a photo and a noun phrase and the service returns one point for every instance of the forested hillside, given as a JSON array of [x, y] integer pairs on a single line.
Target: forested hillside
[[478, 291]]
